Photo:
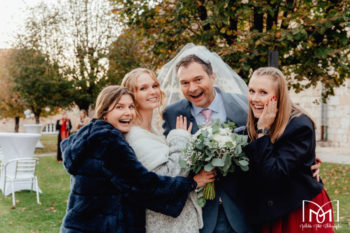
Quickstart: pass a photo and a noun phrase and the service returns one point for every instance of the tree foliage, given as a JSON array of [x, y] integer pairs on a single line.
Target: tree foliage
[[312, 37], [125, 54], [39, 82], [11, 103]]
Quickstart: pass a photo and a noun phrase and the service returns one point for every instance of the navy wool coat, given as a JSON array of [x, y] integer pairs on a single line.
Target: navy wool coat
[[110, 188], [281, 177]]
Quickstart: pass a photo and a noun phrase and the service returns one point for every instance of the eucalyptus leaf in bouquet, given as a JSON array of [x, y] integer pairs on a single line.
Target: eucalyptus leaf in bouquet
[[217, 147]]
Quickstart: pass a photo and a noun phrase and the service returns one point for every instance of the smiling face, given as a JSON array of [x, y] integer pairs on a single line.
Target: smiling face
[[261, 90], [196, 85], [122, 114], [147, 93]]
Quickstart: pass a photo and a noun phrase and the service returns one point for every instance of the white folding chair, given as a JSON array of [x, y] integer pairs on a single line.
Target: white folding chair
[[24, 173]]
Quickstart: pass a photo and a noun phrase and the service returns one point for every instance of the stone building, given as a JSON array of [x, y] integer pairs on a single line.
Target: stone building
[[333, 118]]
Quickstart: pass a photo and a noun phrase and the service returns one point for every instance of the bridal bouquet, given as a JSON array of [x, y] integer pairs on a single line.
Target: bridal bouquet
[[215, 147]]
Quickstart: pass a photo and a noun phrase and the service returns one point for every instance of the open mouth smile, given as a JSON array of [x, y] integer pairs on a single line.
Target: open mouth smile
[[154, 99], [258, 107], [197, 96], [126, 122]]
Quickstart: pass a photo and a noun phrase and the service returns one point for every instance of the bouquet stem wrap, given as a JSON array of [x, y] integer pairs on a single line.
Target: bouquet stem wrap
[[209, 191]]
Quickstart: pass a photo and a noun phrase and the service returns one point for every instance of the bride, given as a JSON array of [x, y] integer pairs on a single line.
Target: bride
[[160, 154]]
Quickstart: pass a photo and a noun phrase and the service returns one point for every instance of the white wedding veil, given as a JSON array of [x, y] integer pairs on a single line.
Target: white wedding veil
[[226, 78]]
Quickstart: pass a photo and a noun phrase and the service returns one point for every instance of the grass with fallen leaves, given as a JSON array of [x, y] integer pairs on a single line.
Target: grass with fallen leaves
[[28, 216], [336, 178]]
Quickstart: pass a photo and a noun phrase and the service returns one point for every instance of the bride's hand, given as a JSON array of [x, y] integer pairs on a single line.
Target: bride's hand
[[181, 123], [204, 177]]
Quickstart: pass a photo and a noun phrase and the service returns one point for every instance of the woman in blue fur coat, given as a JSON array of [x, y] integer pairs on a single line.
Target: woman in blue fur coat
[[110, 188]]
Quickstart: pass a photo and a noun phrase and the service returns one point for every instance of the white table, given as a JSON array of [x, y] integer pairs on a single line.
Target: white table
[[34, 128], [16, 145]]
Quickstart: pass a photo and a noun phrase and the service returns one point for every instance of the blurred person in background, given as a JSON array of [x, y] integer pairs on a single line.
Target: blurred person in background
[[84, 119], [63, 126]]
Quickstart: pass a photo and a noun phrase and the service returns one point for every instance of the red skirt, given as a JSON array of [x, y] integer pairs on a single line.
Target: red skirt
[[310, 218]]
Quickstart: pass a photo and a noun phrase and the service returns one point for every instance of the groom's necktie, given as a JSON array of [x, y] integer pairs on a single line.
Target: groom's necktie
[[207, 113]]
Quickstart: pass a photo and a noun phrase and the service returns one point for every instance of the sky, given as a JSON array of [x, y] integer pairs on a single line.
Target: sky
[[12, 15]]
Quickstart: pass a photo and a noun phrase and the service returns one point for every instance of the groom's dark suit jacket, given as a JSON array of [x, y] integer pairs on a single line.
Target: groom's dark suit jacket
[[229, 188]]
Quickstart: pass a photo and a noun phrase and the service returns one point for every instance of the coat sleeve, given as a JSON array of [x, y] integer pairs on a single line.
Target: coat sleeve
[[159, 193], [177, 140], [278, 161], [58, 126]]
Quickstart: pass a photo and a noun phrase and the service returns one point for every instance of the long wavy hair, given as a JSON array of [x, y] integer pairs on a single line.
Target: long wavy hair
[[287, 110], [130, 81]]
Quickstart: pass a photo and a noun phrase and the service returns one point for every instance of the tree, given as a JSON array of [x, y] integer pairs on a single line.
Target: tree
[[11, 104], [75, 36], [35, 63], [89, 29], [311, 37], [39, 82]]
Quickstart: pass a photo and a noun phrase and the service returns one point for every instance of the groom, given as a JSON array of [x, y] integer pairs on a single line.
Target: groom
[[205, 103]]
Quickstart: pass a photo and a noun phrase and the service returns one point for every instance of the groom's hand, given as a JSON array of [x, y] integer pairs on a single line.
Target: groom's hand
[[316, 168], [204, 177]]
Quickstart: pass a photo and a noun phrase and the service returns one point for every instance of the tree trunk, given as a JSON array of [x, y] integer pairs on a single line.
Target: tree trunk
[[82, 104], [258, 20], [37, 119], [16, 124]]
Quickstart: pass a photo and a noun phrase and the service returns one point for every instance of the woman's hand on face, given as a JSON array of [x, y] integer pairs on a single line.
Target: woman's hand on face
[[181, 123], [204, 177], [268, 115]]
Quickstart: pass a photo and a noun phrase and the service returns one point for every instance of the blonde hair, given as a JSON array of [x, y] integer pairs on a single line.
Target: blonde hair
[[110, 96], [286, 108], [130, 82]]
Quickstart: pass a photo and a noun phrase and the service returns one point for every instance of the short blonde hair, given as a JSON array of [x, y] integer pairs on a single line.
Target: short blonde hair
[[110, 96], [286, 109], [130, 82]]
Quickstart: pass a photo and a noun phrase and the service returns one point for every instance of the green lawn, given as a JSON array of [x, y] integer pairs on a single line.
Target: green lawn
[[50, 144], [336, 178], [28, 216]]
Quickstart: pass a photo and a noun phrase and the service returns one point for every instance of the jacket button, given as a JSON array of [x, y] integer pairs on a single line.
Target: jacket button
[[270, 203]]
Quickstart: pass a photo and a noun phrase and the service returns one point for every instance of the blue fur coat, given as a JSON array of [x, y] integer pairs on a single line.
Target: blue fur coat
[[110, 188]]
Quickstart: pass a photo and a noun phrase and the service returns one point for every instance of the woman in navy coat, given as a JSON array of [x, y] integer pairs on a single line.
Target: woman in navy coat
[[110, 188], [281, 154]]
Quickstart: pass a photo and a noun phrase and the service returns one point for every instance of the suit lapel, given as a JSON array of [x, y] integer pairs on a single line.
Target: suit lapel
[[228, 105], [231, 106]]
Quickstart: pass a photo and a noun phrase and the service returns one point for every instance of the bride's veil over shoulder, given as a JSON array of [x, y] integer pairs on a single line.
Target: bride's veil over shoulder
[[226, 78]]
